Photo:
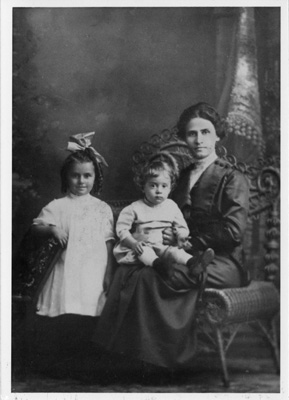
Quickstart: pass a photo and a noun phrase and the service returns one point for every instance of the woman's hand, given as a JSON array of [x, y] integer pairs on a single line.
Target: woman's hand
[[60, 236], [184, 243], [169, 238]]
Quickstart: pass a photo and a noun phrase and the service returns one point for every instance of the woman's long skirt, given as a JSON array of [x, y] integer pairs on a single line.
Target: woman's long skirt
[[148, 319]]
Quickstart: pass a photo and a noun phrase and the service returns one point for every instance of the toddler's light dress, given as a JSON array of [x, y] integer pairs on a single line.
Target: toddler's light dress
[[76, 283]]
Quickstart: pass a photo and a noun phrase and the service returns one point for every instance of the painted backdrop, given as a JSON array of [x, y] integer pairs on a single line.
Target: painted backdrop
[[125, 73]]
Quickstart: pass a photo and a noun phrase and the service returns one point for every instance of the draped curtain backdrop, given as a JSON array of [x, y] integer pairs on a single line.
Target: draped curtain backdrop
[[240, 99], [252, 112]]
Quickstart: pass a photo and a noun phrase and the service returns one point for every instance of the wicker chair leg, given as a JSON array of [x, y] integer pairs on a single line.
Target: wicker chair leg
[[222, 355], [272, 339]]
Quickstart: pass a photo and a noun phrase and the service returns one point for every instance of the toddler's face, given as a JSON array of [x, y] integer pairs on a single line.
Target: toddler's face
[[157, 189], [81, 178]]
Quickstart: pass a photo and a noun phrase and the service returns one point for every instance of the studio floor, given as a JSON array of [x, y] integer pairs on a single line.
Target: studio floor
[[254, 377], [251, 370]]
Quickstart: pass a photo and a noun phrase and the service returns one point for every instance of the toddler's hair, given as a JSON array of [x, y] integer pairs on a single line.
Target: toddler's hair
[[205, 111], [162, 161], [82, 156]]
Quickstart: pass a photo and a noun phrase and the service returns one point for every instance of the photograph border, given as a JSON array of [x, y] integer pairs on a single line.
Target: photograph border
[[6, 198]]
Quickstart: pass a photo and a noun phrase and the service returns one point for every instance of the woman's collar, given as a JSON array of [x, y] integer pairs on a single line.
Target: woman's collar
[[204, 163]]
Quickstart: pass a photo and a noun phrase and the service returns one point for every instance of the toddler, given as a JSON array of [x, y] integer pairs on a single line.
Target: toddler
[[140, 225]]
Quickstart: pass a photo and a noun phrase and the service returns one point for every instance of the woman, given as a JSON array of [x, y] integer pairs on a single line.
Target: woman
[[213, 196], [145, 317]]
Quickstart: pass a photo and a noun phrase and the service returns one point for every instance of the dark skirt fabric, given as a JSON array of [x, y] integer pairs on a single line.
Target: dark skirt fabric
[[146, 318]]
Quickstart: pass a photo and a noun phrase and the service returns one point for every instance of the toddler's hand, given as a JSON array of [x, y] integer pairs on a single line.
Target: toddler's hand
[[138, 247], [60, 235]]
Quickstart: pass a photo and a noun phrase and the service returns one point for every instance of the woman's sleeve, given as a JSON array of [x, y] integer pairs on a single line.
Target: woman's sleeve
[[227, 231], [48, 215], [180, 222], [124, 222]]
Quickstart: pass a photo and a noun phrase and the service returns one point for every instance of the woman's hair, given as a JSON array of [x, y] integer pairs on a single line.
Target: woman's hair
[[82, 156], [205, 111], [162, 161]]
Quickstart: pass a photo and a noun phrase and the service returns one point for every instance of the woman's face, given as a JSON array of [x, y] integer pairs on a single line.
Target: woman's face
[[201, 137]]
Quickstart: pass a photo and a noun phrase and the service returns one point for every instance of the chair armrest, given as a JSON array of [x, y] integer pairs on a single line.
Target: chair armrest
[[258, 300], [38, 269]]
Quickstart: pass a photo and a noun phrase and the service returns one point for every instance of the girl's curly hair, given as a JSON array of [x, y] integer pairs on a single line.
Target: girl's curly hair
[[161, 161], [205, 111], [82, 156]]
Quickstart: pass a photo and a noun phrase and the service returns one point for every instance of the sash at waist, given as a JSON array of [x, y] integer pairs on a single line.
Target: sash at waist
[[151, 232]]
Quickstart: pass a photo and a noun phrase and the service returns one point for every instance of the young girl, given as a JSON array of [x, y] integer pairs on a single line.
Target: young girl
[[83, 225], [141, 224]]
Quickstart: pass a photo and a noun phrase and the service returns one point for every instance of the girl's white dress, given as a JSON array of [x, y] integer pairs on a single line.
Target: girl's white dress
[[75, 284]]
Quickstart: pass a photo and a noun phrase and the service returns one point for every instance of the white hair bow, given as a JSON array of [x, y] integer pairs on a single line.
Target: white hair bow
[[82, 141]]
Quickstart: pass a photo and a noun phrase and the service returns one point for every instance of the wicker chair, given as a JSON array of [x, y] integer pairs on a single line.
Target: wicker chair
[[221, 312]]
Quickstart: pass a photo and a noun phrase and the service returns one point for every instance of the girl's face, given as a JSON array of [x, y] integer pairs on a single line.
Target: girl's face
[[81, 178], [157, 189], [201, 137]]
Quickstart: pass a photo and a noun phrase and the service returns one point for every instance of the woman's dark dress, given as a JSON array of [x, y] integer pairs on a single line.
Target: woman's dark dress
[[147, 319]]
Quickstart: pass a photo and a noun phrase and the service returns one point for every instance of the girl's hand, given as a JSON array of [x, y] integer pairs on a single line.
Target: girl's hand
[[60, 235], [110, 268], [138, 247], [107, 281], [169, 238]]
